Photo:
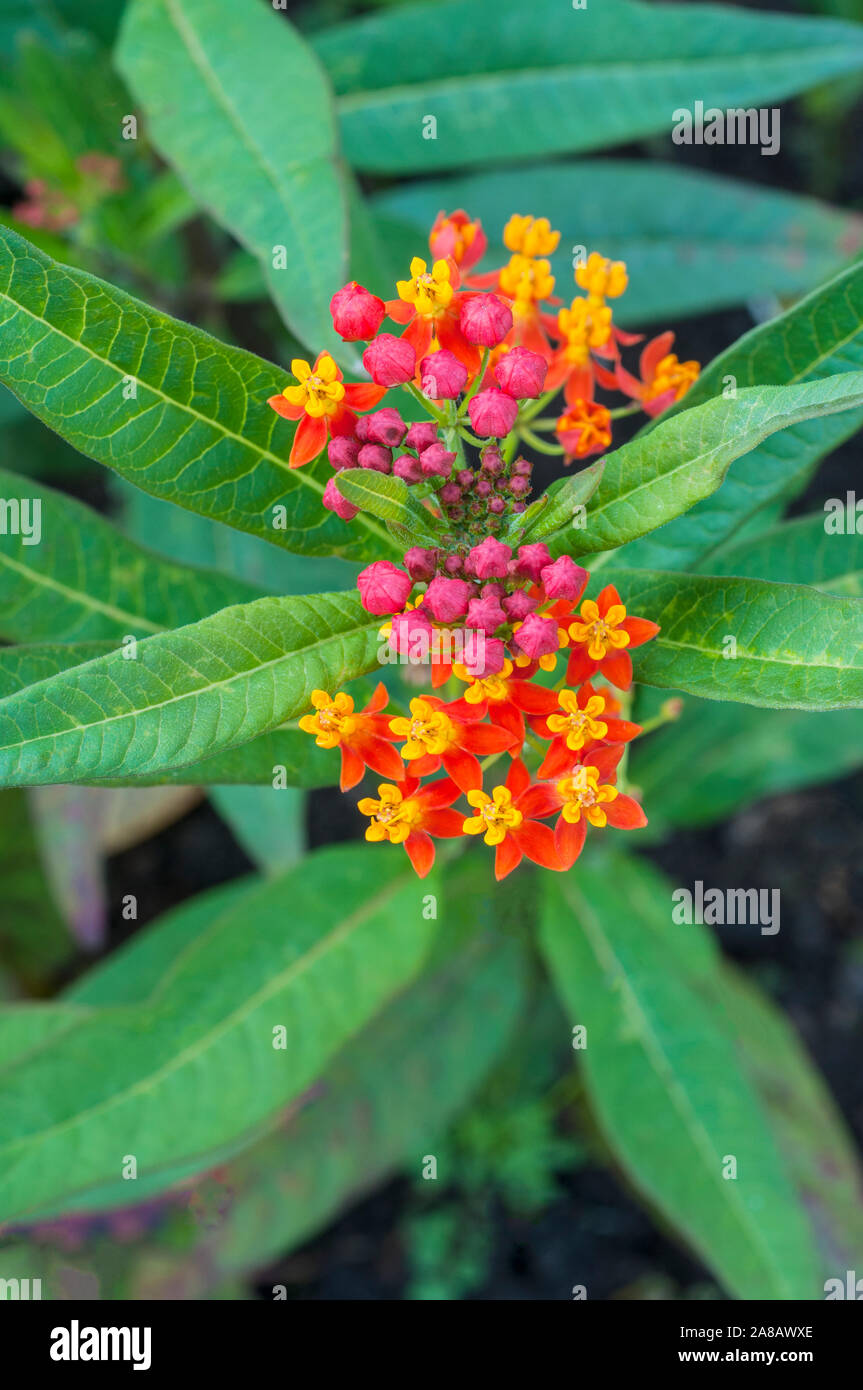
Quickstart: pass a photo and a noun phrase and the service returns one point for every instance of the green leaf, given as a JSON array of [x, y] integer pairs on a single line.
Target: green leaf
[[692, 240], [508, 81], [75, 578], [194, 1069], [206, 73], [198, 430], [390, 499], [304, 764], [556, 508], [774, 645], [810, 1132], [188, 694], [818, 337], [34, 942], [664, 1082], [390, 1091], [719, 757], [802, 551], [662, 473]]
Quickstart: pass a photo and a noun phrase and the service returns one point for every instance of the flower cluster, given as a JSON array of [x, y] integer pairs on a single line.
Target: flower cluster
[[492, 613]]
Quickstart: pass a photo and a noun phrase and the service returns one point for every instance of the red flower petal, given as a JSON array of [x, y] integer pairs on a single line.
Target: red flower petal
[[464, 769], [437, 794], [363, 395], [625, 813], [617, 668], [381, 757], [507, 857], [640, 630], [484, 738], [607, 598], [538, 802], [379, 699], [537, 842], [309, 440], [653, 353], [284, 408], [533, 699], [353, 768], [518, 778], [557, 760], [420, 851], [580, 667], [620, 730], [569, 840], [399, 310], [508, 718], [605, 760], [446, 825]]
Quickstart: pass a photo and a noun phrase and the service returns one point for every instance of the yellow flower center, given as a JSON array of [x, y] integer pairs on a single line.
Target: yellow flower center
[[583, 795], [430, 291], [494, 689], [530, 236], [671, 375], [526, 281], [392, 816], [496, 815], [600, 632], [428, 731], [318, 391], [576, 724], [603, 279], [334, 721]]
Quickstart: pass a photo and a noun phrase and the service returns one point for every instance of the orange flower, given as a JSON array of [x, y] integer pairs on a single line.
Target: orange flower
[[583, 721], [409, 815], [445, 735], [505, 698], [323, 404], [664, 379], [584, 429], [429, 304], [364, 738], [510, 819], [458, 238], [586, 796], [600, 640]]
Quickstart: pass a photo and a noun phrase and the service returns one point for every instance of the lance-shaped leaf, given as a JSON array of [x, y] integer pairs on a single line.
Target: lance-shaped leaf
[[782, 646], [206, 74], [390, 499], [188, 694], [661, 474], [561, 505], [172, 409], [718, 757], [246, 1019], [285, 757], [67, 574], [692, 240], [505, 80], [807, 550], [817, 338], [663, 1079]]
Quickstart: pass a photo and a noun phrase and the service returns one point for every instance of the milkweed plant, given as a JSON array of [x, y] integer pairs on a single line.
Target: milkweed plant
[[564, 615]]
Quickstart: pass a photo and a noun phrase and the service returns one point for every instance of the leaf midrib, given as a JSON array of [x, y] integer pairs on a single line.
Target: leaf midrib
[[664, 1071]]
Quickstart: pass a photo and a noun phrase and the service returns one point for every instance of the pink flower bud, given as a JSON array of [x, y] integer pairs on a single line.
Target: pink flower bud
[[447, 599], [485, 320], [385, 427], [536, 637], [496, 506], [483, 488], [421, 564], [531, 560], [483, 656], [518, 604], [452, 564], [361, 429], [450, 494], [522, 468], [485, 614], [564, 579], [436, 461], [389, 360], [492, 413], [334, 502], [492, 462], [489, 559], [408, 469], [342, 451], [383, 588], [357, 314], [492, 590], [408, 629], [375, 456], [442, 376], [521, 373], [421, 435], [465, 479], [519, 487]]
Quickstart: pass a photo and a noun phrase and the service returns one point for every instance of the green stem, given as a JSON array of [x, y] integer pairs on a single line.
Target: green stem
[[425, 403], [540, 445], [625, 410], [477, 382], [529, 412]]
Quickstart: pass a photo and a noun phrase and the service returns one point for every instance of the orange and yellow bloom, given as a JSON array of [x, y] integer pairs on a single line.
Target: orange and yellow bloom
[[323, 404]]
